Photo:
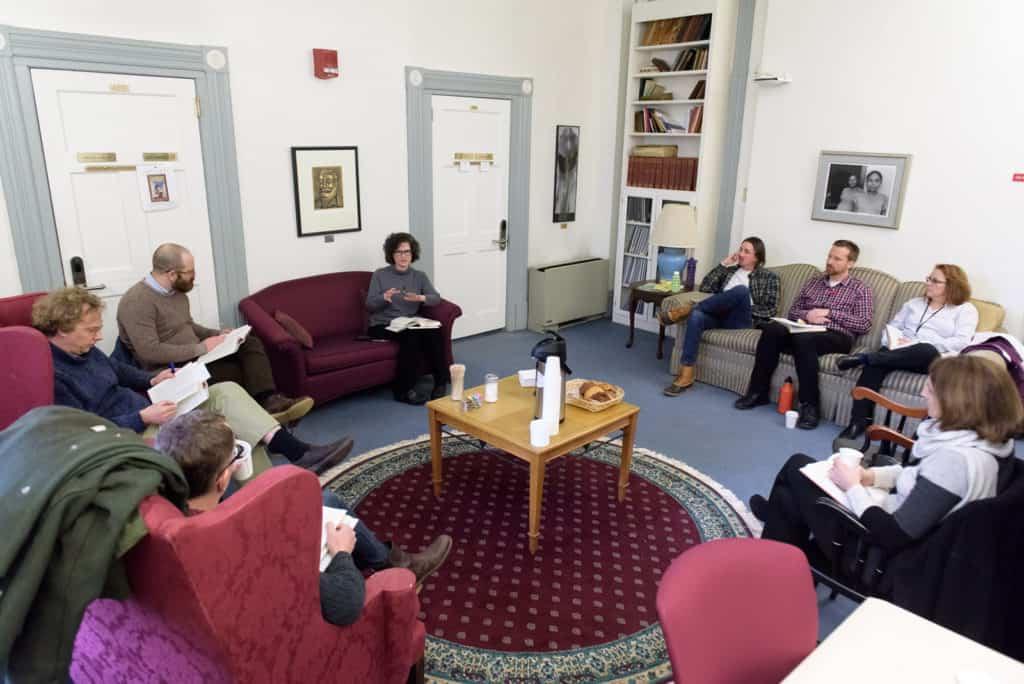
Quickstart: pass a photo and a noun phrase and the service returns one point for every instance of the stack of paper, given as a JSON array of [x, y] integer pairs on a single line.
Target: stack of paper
[[817, 473], [335, 516], [187, 388]]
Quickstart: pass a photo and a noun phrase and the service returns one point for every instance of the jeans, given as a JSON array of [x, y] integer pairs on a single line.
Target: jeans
[[915, 358], [805, 347], [729, 309], [369, 552]]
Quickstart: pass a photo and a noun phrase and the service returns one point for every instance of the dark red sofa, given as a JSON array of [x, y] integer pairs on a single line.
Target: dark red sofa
[[331, 307]]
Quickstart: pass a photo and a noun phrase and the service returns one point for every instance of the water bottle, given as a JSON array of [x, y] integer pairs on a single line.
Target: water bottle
[[676, 283], [786, 396], [691, 273]]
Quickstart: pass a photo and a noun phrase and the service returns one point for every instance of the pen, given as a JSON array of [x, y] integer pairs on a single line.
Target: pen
[[173, 369]]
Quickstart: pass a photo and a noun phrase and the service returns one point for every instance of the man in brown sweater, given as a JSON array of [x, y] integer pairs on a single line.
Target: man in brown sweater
[[155, 325]]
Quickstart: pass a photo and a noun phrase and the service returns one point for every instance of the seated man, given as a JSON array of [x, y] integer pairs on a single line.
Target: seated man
[[86, 378], [155, 325], [204, 446], [744, 294], [837, 301]]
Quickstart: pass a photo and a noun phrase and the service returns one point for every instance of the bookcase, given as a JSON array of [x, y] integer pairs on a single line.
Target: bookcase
[[665, 107]]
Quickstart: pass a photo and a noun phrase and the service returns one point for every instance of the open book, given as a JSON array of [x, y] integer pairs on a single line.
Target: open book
[[799, 326], [187, 388], [232, 341], [335, 516], [817, 473], [412, 323], [892, 337]]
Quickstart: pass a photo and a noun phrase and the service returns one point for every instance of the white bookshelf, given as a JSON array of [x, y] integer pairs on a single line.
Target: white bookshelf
[[639, 207]]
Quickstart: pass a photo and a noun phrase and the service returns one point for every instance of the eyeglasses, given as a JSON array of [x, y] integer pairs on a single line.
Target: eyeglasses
[[241, 451], [933, 281], [403, 252]]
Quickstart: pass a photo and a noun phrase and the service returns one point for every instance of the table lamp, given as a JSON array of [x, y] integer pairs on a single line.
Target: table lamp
[[674, 232]]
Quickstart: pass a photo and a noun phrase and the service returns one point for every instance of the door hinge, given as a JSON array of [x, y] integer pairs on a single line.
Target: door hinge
[[199, 109]]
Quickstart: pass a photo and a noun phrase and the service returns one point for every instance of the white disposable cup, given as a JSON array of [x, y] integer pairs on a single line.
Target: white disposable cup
[[490, 388], [244, 470], [791, 418], [539, 436], [458, 373], [850, 456]]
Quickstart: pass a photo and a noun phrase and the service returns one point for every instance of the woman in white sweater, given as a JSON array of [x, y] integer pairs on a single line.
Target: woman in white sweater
[[941, 322], [963, 453]]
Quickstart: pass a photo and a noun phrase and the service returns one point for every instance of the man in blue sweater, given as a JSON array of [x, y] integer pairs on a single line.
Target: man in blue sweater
[[86, 378]]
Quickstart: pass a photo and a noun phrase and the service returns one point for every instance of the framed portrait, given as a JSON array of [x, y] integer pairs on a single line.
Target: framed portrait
[[326, 190], [158, 190], [861, 187], [157, 187], [567, 156]]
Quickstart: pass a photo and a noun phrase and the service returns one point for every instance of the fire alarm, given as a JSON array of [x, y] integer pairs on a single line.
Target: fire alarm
[[325, 63]]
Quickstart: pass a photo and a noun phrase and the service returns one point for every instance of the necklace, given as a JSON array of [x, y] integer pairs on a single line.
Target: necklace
[[924, 320]]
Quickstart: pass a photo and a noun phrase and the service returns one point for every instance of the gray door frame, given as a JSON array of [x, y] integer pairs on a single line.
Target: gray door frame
[[23, 166], [420, 86]]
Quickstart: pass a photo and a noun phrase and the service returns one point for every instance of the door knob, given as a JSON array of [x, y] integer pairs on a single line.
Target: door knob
[[78, 275], [502, 240]]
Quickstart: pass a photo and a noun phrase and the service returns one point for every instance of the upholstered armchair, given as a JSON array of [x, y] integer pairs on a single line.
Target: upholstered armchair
[[232, 595], [26, 372]]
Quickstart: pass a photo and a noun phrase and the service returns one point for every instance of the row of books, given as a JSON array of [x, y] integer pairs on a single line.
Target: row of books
[[679, 173], [691, 59], [650, 120], [638, 209], [633, 269], [637, 239], [678, 30], [652, 90]]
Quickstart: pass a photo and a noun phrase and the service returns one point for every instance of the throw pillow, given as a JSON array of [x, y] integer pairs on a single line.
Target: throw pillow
[[990, 315], [294, 328]]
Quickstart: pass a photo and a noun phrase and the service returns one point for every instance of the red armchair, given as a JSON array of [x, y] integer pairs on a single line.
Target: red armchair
[[26, 372], [17, 310], [232, 595], [332, 309]]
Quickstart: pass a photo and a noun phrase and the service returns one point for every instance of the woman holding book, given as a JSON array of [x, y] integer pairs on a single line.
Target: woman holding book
[[942, 321], [397, 291], [964, 452]]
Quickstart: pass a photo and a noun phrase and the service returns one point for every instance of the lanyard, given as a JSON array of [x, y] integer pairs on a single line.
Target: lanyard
[[924, 320]]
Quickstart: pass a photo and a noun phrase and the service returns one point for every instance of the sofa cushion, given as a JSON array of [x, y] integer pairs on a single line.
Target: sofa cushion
[[328, 304], [990, 315], [344, 351], [743, 341], [294, 328], [791, 278], [883, 290]]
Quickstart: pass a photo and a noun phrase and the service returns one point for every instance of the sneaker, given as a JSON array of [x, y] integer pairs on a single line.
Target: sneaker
[[426, 562], [287, 410], [320, 459]]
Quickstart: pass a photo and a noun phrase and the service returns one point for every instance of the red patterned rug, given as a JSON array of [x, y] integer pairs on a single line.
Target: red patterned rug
[[583, 607]]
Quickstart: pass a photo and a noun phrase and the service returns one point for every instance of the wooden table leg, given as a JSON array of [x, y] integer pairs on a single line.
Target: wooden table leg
[[536, 495], [628, 434], [661, 337], [632, 317], [435, 449]]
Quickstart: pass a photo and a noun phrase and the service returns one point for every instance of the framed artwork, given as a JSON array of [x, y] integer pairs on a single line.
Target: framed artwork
[[860, 187], [326, 190], [567, 156], [158, 189]]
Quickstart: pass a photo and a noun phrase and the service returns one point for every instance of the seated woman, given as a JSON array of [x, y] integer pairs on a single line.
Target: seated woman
[[85, 378], [744, 293], [398, 290], [939, 322], [964, 452]]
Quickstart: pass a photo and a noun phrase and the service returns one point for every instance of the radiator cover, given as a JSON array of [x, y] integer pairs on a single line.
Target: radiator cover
[[566, 293]]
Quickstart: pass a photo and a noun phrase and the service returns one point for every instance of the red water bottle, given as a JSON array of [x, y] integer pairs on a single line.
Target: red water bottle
[[786, 396]]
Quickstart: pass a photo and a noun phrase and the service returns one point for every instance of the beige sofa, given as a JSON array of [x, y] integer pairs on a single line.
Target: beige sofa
[[726, 357]]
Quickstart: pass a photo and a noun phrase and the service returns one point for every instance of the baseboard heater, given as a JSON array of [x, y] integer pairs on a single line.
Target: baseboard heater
[[561, 294]]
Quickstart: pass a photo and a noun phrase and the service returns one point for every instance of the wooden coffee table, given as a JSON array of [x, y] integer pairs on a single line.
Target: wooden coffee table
[[506, 425]]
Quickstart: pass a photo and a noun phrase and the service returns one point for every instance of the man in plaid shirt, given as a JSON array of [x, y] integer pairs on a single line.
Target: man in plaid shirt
[[838, 301]]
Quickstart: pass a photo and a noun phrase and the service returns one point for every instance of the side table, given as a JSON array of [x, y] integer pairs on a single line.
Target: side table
[[639, 295]]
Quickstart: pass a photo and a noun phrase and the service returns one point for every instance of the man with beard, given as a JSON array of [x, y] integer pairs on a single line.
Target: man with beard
[[327, 187], [155, 325], [837, 301]]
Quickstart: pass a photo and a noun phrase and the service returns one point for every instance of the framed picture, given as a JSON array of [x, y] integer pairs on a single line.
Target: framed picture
[[567, 156], [326, 190], [157, 187], [860, 187]]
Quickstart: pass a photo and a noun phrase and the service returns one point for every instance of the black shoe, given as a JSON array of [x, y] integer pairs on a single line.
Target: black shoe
[[412, 397], [849, 361], [319, 459], [750, 400], [854, 431], [809, 417], [759, 507]]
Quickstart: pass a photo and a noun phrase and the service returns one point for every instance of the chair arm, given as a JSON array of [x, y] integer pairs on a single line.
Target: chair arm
[[391, 615], [287, 362], [443, 311], [854, 554], [880, 433], [902, 409], [267, 329]]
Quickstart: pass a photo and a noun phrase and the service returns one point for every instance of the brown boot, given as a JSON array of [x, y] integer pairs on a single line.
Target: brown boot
[[675, 314], [287, 410], [424, 563], [682, 382]]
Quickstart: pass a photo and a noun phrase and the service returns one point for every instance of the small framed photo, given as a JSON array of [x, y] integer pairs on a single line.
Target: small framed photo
[[864, 188], [326, 183], [157, 183], [567, 157]]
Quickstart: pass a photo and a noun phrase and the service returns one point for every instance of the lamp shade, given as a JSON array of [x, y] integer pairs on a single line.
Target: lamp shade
[[676, 226]]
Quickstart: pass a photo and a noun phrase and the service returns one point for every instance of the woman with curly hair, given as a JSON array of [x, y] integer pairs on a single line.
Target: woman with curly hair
[[396, 290]]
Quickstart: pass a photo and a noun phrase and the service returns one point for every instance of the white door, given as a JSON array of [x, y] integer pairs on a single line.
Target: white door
[[111, 205], [470, 170]]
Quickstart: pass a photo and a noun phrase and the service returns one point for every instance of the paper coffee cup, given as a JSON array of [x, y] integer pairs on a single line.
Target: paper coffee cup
[[458, 374], [850, 456], [539, 434], [244, 469], [791, 418]]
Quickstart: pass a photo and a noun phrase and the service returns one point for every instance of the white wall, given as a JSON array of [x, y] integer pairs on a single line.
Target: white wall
[[570, 49], [933, 78]]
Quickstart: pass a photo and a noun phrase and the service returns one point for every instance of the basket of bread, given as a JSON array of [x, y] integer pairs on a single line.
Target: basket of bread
[[592, 395]]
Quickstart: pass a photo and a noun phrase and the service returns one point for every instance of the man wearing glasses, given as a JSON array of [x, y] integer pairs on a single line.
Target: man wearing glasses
[[155, 327]]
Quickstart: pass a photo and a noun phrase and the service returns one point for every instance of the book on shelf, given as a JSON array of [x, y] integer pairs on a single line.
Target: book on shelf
[[652, 90], [691, 59], [799, 326], [698, 90], [696, 118], [668, 173], [660, 64], [655, 150], [677, 30]]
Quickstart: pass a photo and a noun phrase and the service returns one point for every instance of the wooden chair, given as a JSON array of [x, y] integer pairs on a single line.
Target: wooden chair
[[892, 438]]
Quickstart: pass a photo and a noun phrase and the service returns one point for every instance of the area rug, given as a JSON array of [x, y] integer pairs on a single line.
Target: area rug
[[583, 608]]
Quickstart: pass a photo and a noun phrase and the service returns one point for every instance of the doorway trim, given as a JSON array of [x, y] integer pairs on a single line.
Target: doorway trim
[[23, 165], [420, 86]]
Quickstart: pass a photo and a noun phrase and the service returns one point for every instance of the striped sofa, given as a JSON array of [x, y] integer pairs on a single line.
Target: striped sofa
[[726, 357]]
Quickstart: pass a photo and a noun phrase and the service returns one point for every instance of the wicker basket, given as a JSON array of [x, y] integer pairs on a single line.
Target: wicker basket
[[572, 396]]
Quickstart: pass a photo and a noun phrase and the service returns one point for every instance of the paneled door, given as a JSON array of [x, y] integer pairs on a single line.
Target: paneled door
[[470, 174], [125, 168]]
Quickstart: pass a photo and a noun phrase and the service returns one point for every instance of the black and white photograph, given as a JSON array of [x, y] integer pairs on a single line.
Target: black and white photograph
[[326, 183], [567, 151], [860, 188]]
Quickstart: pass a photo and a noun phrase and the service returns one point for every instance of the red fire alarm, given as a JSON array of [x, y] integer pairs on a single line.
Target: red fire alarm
[[325, 63]]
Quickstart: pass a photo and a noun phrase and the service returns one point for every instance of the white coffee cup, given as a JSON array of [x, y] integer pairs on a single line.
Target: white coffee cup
[[458, 373], [243, 455], [540, 436], [850, 456], [791, 418]]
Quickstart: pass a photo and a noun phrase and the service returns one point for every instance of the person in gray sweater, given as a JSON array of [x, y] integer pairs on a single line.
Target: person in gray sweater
[[398, 290], [963, 453]]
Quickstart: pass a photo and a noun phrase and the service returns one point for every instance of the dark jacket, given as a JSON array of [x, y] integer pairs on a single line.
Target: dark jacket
[[764, 289], [96, 383], [66, 493]]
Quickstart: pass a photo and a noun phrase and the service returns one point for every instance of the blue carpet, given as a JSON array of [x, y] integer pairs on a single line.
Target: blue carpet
[[741, 450]]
